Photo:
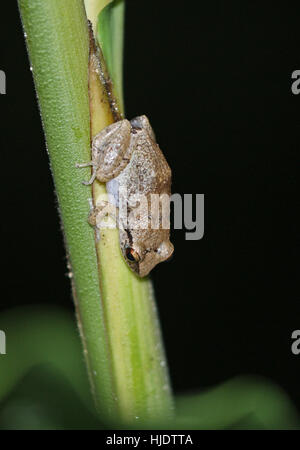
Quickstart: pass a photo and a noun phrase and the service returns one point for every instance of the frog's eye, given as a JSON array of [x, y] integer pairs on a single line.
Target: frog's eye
[[132, 255]]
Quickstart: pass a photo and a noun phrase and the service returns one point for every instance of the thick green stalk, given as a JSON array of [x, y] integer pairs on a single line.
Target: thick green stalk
[[58, 45], [138, 360], [115, 309]]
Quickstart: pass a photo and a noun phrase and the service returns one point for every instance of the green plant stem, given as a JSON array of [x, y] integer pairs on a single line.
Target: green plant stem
[[58, 45], [115, 309], [138, 360]]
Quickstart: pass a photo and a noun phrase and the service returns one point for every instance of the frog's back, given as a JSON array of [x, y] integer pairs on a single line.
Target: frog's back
[[148, 171]]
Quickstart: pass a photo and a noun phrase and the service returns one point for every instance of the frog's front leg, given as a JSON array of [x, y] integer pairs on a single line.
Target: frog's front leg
[[102, 210], [111, 151]]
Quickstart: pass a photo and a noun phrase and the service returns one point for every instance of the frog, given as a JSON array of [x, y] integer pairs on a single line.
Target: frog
[[126, 156]]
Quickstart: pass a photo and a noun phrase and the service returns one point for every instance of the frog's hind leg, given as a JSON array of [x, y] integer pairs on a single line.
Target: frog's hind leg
[[111, 152], [112, 149], [94, 171]]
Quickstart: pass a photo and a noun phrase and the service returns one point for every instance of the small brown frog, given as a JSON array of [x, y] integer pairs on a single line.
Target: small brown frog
[[127, 158]]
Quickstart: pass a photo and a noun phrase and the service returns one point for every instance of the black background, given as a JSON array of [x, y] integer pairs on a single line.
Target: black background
[[216, 84]]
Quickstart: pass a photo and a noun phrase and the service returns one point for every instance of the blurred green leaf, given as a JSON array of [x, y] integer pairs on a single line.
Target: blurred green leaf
[[243, 402], [39, 336], [44, 399], [43, 385]]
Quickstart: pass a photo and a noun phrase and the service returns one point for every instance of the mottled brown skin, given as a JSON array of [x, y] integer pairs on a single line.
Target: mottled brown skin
[[126, 156]]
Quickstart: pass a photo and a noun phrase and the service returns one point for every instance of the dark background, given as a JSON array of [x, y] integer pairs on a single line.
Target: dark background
[[216, 85]]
